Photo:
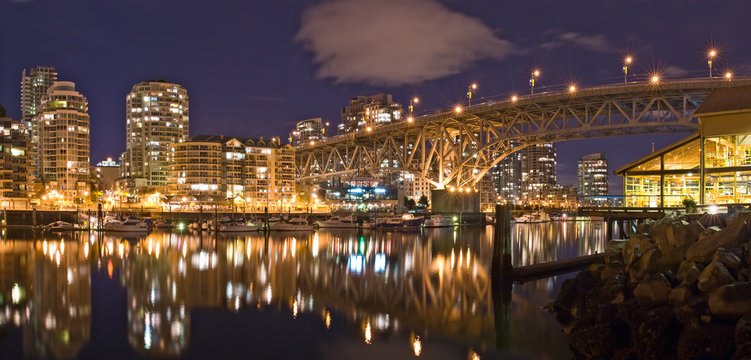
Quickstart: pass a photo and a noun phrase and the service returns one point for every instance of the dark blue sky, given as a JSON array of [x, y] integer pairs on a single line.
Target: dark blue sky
[[254, 68]]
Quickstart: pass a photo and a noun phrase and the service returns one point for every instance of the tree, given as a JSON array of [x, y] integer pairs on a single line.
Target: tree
[[423, 201], [409, 203]]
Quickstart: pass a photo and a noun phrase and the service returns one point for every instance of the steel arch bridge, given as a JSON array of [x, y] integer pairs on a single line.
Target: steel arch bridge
[[451, 147]]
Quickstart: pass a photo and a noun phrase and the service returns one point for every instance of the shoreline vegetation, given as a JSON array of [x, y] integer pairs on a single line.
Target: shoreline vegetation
[[677, 289]]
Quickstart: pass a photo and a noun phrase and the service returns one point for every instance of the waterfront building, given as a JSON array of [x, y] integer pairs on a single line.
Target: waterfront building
[[157, 116], [14, 161], [214, 169], [362, 193], [307, 131], [538, 164], [592, 178], [34, 86], [722, 175], [368, 112], [416, 187], [563, 196], [62, 126], [105, 174], [507, 178]]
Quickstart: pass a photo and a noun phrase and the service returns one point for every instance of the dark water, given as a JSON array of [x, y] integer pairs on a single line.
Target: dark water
[[329, 295]]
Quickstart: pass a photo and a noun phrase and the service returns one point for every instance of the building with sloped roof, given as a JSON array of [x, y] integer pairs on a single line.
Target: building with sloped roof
[[710, 167]]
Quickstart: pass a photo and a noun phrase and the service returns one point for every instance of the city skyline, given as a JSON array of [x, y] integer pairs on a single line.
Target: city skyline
[[290, 83]]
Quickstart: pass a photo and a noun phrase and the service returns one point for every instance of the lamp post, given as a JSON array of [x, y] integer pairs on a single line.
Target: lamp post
[[626, 62], [710, 59], [470, 89], [412, 103], [532, 78]]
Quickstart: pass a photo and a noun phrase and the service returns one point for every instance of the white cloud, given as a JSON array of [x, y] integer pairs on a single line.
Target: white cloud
[[395, 42], [675, 71], [596, 43]]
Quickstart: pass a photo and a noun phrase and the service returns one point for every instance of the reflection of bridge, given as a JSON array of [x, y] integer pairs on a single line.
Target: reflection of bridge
[[460, 147]]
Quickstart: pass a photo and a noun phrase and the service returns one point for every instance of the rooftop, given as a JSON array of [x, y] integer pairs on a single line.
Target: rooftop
[[725, 100]]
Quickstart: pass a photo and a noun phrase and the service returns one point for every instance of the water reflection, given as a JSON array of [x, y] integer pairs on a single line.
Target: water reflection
[[431, 289]]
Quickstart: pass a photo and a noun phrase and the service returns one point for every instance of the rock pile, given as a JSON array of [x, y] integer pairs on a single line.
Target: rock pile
[[679, 289]]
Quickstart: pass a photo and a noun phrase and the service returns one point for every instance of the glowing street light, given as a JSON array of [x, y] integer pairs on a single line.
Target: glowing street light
[[514, 98], [470, 89], [710, 59], [626, 62], [728, 76], [572, 89], [655, 79], [458, 109], [410, 119], [533, 77], [412, 103]]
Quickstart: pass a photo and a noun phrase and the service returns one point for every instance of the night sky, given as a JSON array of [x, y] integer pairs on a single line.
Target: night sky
[[254, 68]]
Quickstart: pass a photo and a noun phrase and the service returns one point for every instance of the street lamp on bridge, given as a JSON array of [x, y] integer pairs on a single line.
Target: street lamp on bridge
[[533, 77], [710, 59], [626, 63], [470, 90]]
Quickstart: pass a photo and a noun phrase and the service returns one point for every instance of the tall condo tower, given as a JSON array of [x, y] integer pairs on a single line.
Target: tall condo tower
[[156, 114], [34, 86], [63, 140]]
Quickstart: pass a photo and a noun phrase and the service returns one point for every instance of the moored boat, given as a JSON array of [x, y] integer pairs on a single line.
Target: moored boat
[[129, 225], [339, 222], [438, 221], [236, 226], [60, 226], [294, 224]]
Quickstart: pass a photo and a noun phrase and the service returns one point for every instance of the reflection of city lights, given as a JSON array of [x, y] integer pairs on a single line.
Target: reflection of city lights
[[327, 318], [368, 334], [473, 355], [268, 294], [416, 344], [110, 268], [15, 294], [294, 309], [86, 249]]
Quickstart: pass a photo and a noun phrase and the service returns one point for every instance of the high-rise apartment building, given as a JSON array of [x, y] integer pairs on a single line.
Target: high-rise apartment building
[[592, 176], [255, 172], [537, 170], [34, 86], [156, 114], [506, 178], [309, 130], [63, 143], [364, 112], [14, 162]]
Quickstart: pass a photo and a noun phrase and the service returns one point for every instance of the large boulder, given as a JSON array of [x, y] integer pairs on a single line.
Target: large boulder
[[681, 294], [614, 250], [654, 290], [743, 338], [673, 238], [727, 258], [730, 237], [635, 246], [689, 271], [732, 300], [714, 276], [649, 263]]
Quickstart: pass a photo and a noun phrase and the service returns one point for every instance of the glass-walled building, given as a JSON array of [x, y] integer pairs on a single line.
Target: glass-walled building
[[721, 176]]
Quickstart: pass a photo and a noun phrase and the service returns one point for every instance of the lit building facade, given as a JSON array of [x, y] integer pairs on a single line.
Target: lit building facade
[[538, 164], [507, 178], [563, 196], [255, 172], [365, 112], [105, 174], [416, 187], [157, 116], [711, 167], [34, 86], [309, 130], [14, 160], [592, 177], [63, 144]]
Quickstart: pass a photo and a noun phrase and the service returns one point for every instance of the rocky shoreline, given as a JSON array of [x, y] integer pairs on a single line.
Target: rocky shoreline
[[678, 289]]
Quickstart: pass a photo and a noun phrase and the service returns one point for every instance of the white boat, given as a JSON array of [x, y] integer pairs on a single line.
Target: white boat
[[535, 217], [60, 226], [130, 225], [438, 221], [391, 222], [370, 224], [348, 222], [294, 224], [236, 226]]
